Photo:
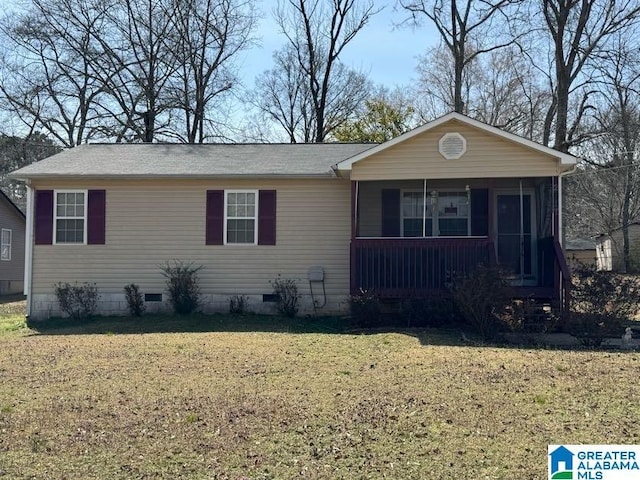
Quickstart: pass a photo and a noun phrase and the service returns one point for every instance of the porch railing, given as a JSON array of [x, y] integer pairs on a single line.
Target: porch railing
[[405, 267], [562, 278]]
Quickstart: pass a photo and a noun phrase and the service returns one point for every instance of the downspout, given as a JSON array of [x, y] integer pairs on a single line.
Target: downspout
[[565, 298], [521, 234], [560, 232], [28, 248]]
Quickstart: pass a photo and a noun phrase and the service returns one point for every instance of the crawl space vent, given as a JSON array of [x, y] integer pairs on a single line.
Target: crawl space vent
[[452, 146]]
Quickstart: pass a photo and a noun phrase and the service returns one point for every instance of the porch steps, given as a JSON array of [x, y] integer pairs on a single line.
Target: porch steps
[[537, 315]]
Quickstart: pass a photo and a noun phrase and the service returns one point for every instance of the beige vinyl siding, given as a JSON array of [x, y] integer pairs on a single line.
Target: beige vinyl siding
[[487, 156], [12, 270], [151, 222]]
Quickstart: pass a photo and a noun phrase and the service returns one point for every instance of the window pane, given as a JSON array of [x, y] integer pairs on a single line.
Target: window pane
[[452, 227], [5, 245], [412, 204], [70, 204], [240, 231], [453, 204], [412, 227], [69, 231], [61, 199]]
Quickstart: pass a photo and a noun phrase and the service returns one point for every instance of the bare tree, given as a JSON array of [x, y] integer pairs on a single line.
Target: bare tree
[[464, 27], [136, 45], [16, 152], [608, 185], [578, 29], [209, 34], [500, 88], [318, 31], [48, 80], [281, 95], [127, 70]]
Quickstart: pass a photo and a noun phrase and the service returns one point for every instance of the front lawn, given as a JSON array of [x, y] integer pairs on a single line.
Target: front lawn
[[295, 402]]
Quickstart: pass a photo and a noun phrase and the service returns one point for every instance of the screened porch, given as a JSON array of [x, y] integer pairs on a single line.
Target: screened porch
[[413, 237]]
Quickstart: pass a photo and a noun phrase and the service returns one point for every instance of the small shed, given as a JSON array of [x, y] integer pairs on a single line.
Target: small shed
[[580, 251], [609, 249]]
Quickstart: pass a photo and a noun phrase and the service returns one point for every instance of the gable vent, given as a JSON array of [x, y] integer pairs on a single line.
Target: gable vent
[[452, 146]]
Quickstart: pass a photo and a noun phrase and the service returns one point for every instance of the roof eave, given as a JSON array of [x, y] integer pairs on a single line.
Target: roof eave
[[146, 176]]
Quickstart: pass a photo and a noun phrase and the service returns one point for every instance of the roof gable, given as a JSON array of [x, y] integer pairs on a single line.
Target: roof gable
[[453, 117], [5, 200]]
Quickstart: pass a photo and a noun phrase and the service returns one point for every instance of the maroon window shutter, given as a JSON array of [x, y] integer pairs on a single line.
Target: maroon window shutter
[[391, 212], [44, 217], [267, 217], [215, 217], [479, 212], [96, 218]]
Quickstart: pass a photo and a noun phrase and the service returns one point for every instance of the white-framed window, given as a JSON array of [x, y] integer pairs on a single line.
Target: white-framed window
[[453, 214], [70, 217], [5, 244], [447, 213], [241, 217], [412, 213]]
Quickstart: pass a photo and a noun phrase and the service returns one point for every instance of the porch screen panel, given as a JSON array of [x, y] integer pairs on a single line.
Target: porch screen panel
[[453, 214], [390, 212], [514, 245], [413, 215], [480, 212]]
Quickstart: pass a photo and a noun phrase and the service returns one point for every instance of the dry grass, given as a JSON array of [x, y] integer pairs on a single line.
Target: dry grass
[[268, 405]]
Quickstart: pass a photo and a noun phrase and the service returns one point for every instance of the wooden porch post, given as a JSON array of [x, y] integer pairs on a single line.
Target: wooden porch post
[[354, 209], [354, 234], [555, 202]]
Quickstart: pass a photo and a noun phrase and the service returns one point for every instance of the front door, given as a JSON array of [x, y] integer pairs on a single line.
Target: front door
[[515, 236]]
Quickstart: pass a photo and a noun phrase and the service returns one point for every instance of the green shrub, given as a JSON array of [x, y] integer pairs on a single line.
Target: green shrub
[[135, 300], [482, 297], [600, 302], [182, 286], [286, 289], [365, 309], [77, 301]]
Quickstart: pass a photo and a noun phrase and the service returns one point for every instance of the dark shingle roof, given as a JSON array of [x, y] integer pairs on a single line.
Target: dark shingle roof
[[202, 160]]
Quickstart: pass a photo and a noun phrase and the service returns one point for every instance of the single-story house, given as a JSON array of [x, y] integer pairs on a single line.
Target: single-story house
[[609, 249], [12, 243], [400, 218]]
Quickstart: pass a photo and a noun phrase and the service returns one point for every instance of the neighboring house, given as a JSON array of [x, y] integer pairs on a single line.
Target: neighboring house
[[580, 251], [12, 243], [401, 218], [609, 249]]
